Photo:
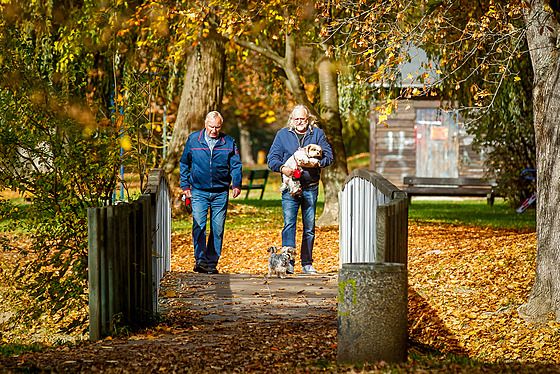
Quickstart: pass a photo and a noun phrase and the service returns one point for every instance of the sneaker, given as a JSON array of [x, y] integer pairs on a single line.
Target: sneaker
[[213, 271], [308, 269], [201, 267]]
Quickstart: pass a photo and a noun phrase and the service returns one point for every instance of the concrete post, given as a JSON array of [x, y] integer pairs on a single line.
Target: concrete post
[[372, 313]]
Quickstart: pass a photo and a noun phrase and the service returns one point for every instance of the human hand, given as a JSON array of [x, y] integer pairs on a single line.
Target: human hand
[[187, 193], [236, 191], [287, 171]]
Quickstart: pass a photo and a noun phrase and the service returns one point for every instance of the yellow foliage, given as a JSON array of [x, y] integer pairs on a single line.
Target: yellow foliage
[[126, 142]]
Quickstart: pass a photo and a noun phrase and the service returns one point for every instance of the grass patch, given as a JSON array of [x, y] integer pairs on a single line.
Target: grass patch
[[18, 349], [471, 212], [426, 357], [358, 161]]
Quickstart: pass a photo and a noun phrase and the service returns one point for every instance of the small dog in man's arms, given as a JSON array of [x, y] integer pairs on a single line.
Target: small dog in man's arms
[[278, 261], [307, 157]]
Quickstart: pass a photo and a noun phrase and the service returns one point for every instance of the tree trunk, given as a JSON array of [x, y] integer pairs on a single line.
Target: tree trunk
[[245, 150], [333, 177], [202, 92], [545, 295]]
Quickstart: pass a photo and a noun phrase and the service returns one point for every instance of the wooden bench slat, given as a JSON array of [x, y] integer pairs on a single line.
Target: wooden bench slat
[[448, 181], [459, 191], [428, 186]]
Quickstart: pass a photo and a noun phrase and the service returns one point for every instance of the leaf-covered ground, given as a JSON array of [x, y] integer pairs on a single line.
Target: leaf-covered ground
[[465, 284]]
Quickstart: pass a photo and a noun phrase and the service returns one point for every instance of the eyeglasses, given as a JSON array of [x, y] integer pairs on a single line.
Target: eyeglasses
[[299, 119]]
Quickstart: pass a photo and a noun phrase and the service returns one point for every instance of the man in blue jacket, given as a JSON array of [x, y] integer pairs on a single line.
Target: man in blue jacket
[[210, 162], [299, 133]]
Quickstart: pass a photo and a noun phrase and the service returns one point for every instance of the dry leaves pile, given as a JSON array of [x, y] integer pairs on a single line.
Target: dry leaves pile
[[465, 284]]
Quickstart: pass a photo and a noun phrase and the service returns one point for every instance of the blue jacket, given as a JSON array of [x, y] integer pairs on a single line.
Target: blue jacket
[[210, 170], [286, 143]]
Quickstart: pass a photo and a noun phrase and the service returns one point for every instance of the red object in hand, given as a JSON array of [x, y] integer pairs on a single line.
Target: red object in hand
[[188, 205], [297, 173]]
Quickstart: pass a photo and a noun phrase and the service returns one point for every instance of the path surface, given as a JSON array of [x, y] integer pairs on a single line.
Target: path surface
[[229, 297], [221, 323]]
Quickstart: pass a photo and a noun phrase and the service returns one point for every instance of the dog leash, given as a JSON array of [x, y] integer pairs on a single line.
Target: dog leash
[[266, 282]]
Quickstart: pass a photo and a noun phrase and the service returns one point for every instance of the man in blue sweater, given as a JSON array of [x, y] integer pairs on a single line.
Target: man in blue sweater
[[209, 164], [299, 133]]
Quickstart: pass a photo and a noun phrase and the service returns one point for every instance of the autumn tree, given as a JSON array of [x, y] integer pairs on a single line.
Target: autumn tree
[[502, 31], [55, 149], [74, 94], [197, 45], [200, 49], [289, 36], [459, 30], [196, 48], [493, 99], [254, 102]]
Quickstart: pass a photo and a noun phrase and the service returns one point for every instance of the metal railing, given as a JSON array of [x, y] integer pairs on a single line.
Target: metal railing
[[129, 249], [373, 220]]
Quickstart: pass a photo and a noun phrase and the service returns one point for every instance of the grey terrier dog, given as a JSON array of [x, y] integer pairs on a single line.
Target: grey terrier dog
[[278, 261]]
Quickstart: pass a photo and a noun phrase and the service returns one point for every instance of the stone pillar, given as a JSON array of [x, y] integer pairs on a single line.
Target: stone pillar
[[372, 313]]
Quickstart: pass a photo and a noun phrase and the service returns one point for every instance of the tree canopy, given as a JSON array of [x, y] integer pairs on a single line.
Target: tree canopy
[[84, 84]]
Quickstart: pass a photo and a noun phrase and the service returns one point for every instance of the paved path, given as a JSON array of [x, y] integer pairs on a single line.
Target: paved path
[[229, 297]]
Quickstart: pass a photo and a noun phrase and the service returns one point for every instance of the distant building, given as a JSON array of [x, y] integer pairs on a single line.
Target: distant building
[[421, 139]]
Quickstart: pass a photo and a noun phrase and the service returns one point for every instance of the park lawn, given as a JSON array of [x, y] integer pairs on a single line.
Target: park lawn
[[475, 212]]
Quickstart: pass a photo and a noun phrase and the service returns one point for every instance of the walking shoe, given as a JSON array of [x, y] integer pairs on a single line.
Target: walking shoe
[[201, 267], [213, 271], [308, 269]]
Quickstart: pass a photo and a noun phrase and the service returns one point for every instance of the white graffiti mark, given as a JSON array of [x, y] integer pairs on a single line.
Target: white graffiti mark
[[398, 143]]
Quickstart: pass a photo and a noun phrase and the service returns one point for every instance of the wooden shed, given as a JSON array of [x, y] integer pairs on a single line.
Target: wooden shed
[[422, 140]]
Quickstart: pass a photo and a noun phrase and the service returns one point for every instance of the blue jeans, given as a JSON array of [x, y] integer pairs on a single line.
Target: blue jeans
[[290, 206], [215, 203]]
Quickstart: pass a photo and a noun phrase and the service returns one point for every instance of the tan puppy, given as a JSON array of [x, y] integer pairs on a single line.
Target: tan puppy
[[306, 157]]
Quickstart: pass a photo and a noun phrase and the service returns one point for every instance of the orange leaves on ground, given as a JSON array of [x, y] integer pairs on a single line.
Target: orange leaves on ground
[[465, 285], [245, 250]]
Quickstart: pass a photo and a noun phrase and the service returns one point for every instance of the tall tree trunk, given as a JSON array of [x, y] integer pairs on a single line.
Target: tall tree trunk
[[333, 177], [542, 33], [202, 92], [245, 145]]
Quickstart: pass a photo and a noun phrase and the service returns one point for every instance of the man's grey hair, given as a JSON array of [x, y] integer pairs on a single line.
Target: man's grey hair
[[311, 119], [214, 114]]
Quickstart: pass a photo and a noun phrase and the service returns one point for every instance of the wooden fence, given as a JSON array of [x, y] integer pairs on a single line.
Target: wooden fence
[[129, 249], [373, 220]]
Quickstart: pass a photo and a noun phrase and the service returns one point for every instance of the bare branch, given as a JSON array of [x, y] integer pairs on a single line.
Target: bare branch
[[268, 53]]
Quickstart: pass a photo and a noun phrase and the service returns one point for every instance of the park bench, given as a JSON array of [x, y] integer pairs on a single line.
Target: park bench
[[256, 180], [421, 186]]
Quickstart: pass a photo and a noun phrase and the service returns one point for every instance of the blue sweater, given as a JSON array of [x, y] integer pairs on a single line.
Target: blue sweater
[[286, 143], [210, 170]]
